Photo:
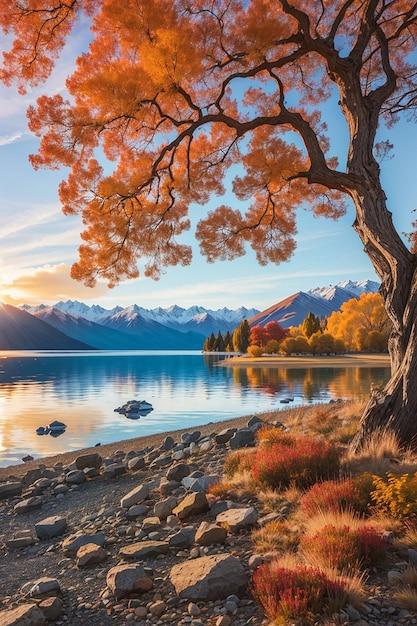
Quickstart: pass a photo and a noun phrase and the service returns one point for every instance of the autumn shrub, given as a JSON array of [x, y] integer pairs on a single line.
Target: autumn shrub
[[351, 494], [343, 548], [238, 461], [295, 593], [267, 435], [303, 463], [396, 495]]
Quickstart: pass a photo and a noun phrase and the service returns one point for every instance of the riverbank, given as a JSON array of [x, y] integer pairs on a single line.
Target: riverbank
[[339, 360]]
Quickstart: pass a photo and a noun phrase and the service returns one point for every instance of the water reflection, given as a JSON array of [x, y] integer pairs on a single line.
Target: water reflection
[[185, 389]]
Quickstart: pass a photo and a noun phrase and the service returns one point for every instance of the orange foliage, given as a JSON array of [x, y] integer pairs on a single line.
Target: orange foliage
[[176, 93], [361, 324]]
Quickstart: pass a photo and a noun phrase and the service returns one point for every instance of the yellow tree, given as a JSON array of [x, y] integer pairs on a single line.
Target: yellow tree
[[358, 320], [175, 93]]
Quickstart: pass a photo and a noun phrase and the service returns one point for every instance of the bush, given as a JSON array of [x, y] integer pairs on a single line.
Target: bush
[[267, 435], [294, 594], [345, 549], [352, 494], [275, 536], [238, 461], [397, 495], [302, 463]]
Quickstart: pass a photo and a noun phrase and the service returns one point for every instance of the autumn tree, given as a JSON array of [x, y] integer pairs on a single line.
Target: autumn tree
[[172, 95], [241, 337], [261, 335], [361, 323], [311, 324]]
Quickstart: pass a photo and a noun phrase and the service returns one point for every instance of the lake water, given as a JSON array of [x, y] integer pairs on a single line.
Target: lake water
[[186, 390]]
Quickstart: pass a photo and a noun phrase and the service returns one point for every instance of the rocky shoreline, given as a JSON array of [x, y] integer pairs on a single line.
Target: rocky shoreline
[[135, 537]]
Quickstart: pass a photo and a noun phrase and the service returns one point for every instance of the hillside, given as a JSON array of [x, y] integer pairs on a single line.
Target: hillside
[[21, 331]]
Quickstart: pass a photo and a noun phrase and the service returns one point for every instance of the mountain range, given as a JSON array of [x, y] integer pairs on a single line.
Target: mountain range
[[73, 325]]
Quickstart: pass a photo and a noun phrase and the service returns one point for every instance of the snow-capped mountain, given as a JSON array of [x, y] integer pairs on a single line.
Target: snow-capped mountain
[[321, 301], [177, 328]]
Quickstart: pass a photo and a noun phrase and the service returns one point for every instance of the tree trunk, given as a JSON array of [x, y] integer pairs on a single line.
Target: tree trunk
[[394, 407]]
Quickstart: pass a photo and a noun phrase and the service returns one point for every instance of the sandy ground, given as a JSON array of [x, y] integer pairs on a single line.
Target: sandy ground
[[343, 360]]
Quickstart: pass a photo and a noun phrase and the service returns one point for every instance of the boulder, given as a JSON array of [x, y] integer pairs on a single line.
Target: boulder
[[144, 550], [123, 580], [10, 489], [242, 438], [193, 504], [29, 504], [209, 578], [208, 533], [23, 615], [238, 519], [71, 544], [90, 554], [177, 472], [50, 527], [88, 460], [136, 496]]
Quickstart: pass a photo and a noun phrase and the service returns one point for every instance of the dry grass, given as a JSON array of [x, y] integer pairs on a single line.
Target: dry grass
[[382, 454], [276, 536], [406, 599]]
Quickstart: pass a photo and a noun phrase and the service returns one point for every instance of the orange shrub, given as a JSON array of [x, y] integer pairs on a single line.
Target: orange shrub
[[302, 463], [238, 461], [294, 593]]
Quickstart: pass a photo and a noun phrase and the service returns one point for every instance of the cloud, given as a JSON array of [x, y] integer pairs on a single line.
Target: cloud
[[8, 139], [47, 285]]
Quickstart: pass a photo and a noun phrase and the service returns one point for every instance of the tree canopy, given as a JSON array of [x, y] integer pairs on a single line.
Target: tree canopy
[[173, 97]]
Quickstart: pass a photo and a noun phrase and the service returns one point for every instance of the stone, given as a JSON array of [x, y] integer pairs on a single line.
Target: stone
[[10, 489], [90, 554], [168, 444], [23, 615], [123, 580], [238, 519], [157, 608], [151, 524], [85, 461], [209, 533], [242, 438], [188, 438], [144, 549], [166, 487], [203, 482], [193, 504], [177, 472], [45, 587], [28, 504], [71, 544], [21, 539], [50, 527], [209, 578], [138, 510], [183, 538], [136, 496], [75, 477], [163, 508], [114, 469], [136, 463], [225, 435], [51, 608]]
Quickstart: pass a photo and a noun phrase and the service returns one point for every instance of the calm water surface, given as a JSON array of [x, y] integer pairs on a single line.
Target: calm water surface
[[186, 389]]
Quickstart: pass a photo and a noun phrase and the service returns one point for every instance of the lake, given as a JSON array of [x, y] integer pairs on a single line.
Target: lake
[[186, 389]]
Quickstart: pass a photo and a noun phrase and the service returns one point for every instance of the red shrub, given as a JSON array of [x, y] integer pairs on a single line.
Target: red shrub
[[288, 593], [303, 463], [343, 548], [352, 494]]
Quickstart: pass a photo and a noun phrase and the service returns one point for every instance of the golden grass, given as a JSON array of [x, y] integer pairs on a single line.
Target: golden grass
[[275, 536], [406, 598]]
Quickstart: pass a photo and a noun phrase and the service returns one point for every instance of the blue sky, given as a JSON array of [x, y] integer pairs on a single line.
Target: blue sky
[[38, 243]]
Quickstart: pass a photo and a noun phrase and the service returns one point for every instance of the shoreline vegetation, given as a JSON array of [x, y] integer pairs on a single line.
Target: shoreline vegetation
[[339, 360]]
